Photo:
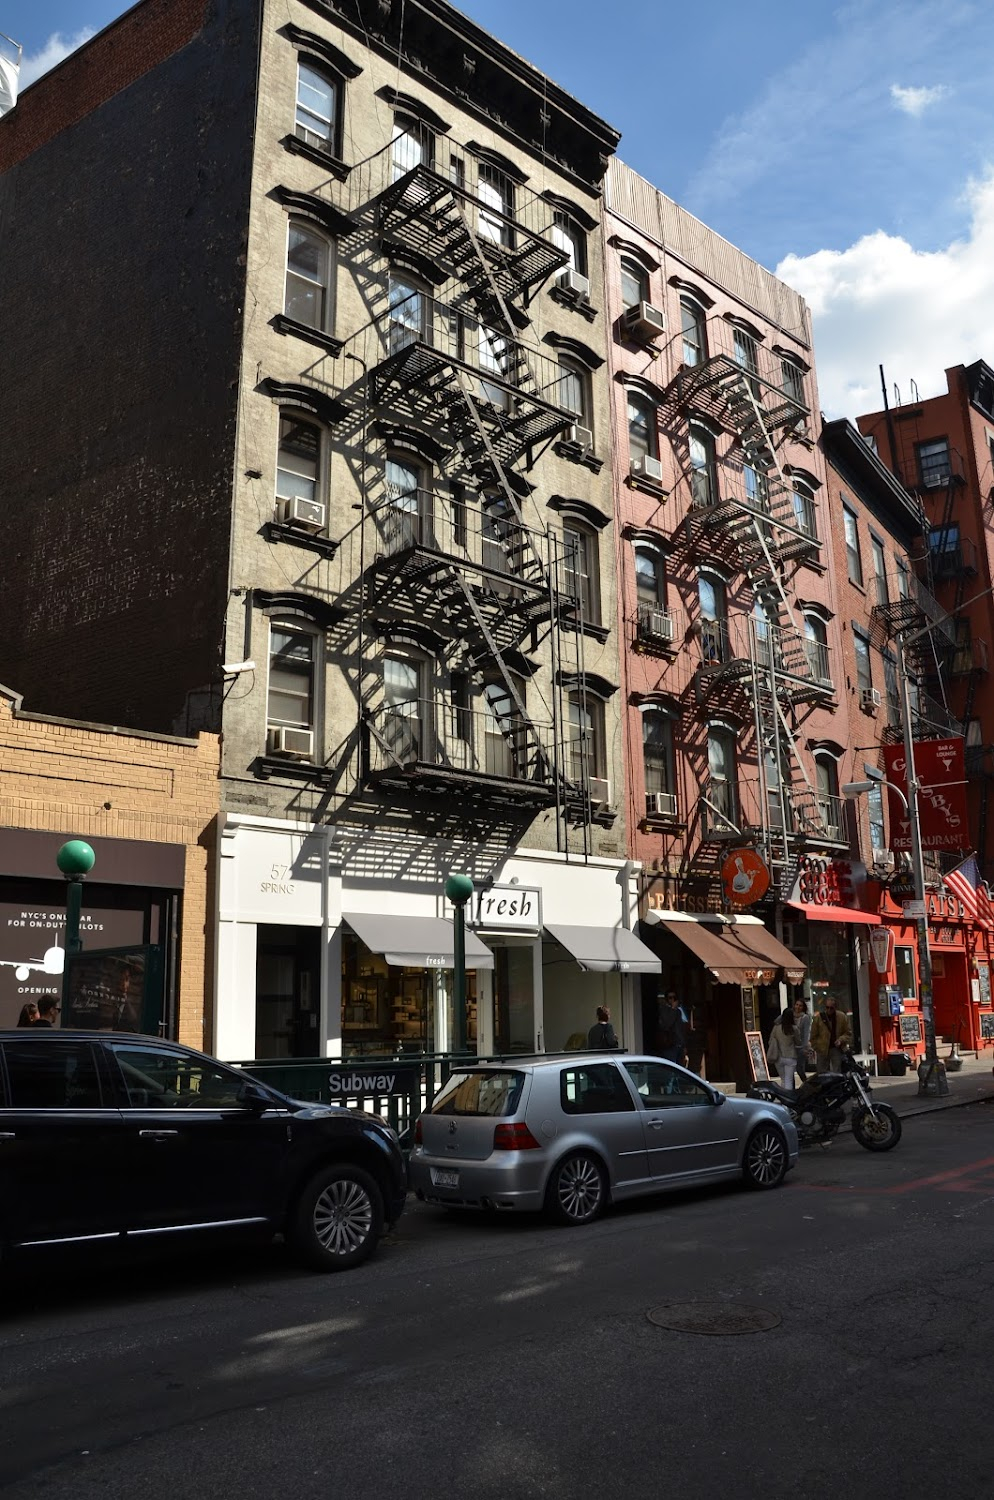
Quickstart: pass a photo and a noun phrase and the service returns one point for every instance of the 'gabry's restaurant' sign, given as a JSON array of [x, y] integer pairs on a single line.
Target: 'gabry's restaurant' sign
[[942, 813]]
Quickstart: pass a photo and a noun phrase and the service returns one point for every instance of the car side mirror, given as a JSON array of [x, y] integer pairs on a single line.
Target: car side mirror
[[251, 1096], [718, 1097]]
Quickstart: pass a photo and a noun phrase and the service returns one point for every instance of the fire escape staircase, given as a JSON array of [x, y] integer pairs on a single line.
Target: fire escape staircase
[[763, 535]]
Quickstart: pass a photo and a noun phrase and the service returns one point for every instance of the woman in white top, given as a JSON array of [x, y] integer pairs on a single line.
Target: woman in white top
[[782, 1051]]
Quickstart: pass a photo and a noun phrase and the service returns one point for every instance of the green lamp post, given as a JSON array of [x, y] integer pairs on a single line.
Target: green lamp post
[[459, 889], [75, 859]]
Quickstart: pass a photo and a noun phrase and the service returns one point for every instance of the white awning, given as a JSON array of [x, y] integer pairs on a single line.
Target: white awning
[[416, 942], [606, 950]]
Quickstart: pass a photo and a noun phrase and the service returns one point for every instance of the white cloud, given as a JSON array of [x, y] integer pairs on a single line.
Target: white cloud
[[881, 301], [55, 49], [916, 101]]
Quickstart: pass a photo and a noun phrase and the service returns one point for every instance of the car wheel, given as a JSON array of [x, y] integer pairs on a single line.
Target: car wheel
[[766, 1160], [338, 1219], [577, 1189]]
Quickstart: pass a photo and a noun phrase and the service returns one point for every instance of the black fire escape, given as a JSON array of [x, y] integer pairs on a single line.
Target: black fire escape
[[483, 583], [747, 513]]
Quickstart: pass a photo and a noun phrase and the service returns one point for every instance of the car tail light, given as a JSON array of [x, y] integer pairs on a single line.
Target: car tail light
[[417, 1132], [515, 1138]]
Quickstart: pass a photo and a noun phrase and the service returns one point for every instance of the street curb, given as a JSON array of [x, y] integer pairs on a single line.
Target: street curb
[[931, 1109]]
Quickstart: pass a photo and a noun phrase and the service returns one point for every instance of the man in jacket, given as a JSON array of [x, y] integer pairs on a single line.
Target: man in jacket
[[831, 1035], [670, 1030]]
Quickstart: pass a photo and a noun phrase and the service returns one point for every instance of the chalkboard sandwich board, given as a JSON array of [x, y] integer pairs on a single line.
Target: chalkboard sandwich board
[[910, 1030], [987, 1026], [757, 1055]]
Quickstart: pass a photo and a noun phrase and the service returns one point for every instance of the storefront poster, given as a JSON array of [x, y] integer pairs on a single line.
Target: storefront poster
[[32, 947], [757, 1055], [942, 811], [116, 989]]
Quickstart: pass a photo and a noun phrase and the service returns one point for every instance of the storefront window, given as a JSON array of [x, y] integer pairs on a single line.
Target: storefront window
[[514, 998], [830, 969], [904, 959], [388, 1010]]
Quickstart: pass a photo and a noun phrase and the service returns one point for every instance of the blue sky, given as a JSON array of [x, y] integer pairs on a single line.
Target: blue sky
[[848, 146]]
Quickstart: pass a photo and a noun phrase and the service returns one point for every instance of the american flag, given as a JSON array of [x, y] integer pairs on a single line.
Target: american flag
[[967, 886]]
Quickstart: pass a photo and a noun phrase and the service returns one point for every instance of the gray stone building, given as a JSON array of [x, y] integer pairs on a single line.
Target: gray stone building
[[309, 442]]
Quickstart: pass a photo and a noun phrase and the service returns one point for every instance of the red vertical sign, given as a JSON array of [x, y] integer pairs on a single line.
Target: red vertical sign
[[942, 813]]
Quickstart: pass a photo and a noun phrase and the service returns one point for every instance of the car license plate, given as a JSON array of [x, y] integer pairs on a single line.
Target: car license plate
[[444, 1179]]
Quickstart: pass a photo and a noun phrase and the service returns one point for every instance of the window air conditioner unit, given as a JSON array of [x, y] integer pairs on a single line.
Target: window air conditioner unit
[[935, 481], [882, 859], [644, 322], [295, 742], [647, 467], [573, 281], [307, 515], [660, 805], [581, 436], [656, 624], [869, 700], [600, 791]]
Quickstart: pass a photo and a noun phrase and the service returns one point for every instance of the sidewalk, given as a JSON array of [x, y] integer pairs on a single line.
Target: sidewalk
[[972, 1084]]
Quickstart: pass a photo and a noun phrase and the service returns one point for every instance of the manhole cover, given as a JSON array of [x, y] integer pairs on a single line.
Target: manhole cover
[[713, 1317]]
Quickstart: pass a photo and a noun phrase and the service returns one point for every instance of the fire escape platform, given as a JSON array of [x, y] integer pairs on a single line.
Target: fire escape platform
[[422, 585], [425, 212], [471, 786]]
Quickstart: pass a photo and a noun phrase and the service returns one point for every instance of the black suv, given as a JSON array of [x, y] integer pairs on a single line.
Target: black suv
[[108, 1136]]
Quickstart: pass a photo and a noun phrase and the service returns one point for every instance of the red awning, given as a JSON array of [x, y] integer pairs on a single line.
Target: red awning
[[816, 913]]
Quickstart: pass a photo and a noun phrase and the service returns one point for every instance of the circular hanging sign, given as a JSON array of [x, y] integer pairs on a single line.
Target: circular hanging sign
[[901, 887], [744, 877]]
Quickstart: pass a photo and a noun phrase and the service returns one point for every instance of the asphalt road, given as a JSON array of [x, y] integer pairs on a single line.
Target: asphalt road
[[509, 1359]]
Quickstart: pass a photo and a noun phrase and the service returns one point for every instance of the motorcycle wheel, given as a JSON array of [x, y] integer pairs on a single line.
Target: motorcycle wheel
[[880, 1134]]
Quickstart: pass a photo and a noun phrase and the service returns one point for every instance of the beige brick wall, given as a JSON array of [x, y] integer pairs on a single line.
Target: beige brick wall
[[97, 781]]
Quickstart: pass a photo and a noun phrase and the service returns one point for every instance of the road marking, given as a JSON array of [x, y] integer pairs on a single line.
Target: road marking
[[969, 1177]]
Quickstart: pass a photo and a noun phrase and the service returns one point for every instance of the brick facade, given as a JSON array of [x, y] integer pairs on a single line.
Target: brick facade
[[98, 782]]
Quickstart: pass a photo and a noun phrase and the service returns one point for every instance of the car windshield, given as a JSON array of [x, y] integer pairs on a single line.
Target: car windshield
[[483, 1093]]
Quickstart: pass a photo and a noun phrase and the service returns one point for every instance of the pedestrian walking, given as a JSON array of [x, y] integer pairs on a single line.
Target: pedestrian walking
[[802, 1033], [601, 1035], [781, 1053], [29, 1014], [697, 1039], [670, 1040], [831, 1035]]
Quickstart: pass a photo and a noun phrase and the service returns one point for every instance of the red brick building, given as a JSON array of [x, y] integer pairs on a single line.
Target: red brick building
[[738, 702]]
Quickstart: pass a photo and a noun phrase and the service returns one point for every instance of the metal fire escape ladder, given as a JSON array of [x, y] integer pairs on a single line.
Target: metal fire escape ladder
[[520, 728], [784, 645]]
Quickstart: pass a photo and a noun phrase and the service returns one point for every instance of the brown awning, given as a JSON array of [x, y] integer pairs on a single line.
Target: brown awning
[[734, 953]]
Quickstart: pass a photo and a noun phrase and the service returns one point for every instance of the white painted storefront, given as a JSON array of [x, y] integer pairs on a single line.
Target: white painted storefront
[[551, 940]]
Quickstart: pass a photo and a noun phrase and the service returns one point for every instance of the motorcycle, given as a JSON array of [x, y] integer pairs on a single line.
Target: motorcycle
[[818, 1107]]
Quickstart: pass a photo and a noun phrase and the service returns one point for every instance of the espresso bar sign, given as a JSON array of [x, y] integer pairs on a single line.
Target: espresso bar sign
[[510, 908]]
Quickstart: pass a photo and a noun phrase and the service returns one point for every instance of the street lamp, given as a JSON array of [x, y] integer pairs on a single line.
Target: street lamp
[[75, 859], [459, 889], [933, 1080]]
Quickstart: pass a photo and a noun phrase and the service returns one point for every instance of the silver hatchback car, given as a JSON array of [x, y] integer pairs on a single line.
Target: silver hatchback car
[[572, 1132]]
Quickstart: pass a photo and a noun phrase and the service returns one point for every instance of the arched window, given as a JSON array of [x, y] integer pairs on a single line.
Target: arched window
[[406, 516], [703, 474], [291, 715], [586, 732], [829, 801], [634, 282], [804, 509], [721, 789], [413, 145], [657, 763], [409, 311], [298, 467], [574, 390], [695, 341], [569, 237], [505, 746], [404, 721], [816, 648], [317, 115], [582, 569], [495, 192], [642, 435], [713, 605], [650, 576], [309, 259], [793, 380]]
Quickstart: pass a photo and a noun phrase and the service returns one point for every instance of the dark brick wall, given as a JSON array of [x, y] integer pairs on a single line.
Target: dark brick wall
[[122, 242]]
